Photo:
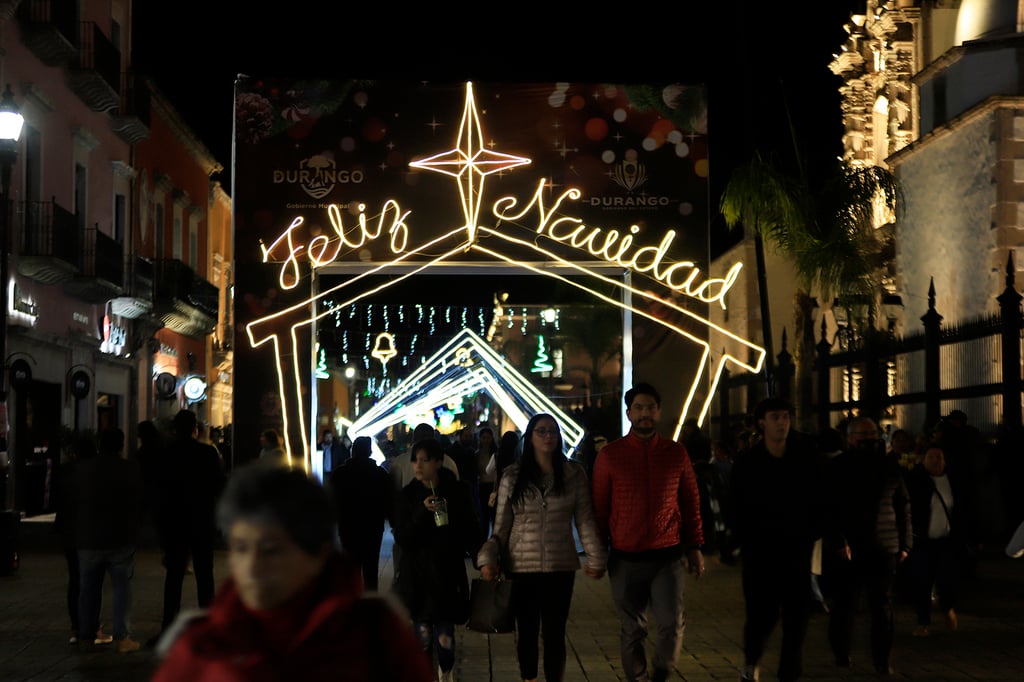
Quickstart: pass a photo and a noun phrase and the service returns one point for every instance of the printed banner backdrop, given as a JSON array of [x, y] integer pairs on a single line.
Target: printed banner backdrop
[[367, 180]]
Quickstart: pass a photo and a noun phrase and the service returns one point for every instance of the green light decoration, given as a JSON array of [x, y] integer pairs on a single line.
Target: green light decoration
[[540, 363], [321, 363]]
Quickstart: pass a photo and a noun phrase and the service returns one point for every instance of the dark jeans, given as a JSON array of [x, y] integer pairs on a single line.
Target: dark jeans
[[176, 556], [774, 584], [366, 550], [541, 602], [94, 564], [439, 636], [935, 563], [874, 574]]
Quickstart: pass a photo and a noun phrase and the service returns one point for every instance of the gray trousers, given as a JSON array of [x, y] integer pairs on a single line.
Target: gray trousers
[[637, 586]]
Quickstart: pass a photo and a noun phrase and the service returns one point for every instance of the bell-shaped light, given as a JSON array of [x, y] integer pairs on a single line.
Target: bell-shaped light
[[11, 120]]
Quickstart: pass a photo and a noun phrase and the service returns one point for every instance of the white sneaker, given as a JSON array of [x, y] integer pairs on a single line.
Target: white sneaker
[[445, 676]]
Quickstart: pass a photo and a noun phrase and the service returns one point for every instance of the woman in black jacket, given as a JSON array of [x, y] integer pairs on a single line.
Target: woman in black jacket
[[436, 528]]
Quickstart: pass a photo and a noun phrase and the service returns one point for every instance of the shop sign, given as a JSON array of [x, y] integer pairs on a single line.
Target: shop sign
[[80, 384], [21, 373], [194, 389], [165, 384]]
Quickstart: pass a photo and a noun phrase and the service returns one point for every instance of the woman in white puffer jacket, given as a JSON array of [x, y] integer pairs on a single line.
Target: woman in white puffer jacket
[[539, 501]]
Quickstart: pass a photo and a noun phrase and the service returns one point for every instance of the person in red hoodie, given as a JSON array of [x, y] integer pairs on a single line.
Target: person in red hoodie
[[294, 606], [646, 500]]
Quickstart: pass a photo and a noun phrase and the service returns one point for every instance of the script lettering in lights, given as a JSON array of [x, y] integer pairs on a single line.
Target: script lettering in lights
[[469, 163]]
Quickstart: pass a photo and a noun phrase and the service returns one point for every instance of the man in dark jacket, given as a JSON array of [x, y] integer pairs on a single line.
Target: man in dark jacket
[[363, 496], [777, 487], [647, 501], [109, 509], [869, 536], [192, 480]]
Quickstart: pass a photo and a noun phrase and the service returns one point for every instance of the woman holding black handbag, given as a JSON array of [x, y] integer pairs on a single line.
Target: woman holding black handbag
[[539, 500]]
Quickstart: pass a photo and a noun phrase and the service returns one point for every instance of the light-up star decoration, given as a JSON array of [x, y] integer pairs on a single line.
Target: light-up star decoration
[[546, 220], [470, 163]]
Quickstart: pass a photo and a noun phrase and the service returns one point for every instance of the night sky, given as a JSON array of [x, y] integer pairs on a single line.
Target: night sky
[[763, 69]]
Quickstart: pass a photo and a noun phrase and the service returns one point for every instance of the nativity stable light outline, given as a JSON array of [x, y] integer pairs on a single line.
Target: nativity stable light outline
[[466, 158]]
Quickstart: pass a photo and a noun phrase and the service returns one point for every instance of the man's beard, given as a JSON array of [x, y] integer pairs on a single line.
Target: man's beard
[[644, 428]]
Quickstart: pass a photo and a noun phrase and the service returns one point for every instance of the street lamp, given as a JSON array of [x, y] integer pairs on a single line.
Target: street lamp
[[892, 306], [11, 122]]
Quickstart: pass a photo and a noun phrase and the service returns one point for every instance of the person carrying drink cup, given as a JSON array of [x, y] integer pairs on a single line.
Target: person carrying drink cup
[[436, 528]]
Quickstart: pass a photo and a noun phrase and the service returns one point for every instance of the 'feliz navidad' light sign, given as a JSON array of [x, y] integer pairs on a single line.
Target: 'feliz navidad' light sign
[[470, 162]]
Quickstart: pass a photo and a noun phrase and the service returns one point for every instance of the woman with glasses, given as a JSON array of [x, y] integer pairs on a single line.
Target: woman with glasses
[[539, 500]]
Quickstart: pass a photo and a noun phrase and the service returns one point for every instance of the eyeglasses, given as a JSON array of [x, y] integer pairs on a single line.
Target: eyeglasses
[[546, 432]]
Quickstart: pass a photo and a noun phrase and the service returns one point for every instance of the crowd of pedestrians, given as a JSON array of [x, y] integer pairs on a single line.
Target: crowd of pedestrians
[[817, 520]]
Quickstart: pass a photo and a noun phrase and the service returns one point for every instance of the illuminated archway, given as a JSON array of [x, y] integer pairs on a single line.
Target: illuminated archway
[[554, 229]]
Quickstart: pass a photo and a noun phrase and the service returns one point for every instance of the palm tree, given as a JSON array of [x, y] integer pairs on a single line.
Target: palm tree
[[827, 230]]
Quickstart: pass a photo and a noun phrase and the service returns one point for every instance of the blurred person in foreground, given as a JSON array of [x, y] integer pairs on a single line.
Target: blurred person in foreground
[[293, 606], [647, 501]]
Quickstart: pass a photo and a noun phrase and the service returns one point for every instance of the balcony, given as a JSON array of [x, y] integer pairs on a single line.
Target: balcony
[[96, 75], [49, 29], [49, 242], [130, 121], [138, 299], [185, 302], [101, 269]]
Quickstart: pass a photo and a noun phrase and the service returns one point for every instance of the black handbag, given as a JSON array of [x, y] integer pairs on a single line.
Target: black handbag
[[490, 606]]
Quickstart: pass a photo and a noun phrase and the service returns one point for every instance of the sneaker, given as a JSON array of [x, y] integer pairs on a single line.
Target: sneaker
[[920, 631], [443, 676], [952, 620], [127, 645], [73, 639], [750, 673], [102, 637]]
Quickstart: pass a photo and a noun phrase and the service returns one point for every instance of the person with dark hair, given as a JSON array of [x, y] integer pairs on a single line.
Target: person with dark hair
[[435, 527], [363, 496], [540, 499], [293, 606], [192, 479], [777, 488], [401, 464], [942, 537], [868, 537], [646, 500], [150, 456], [270, 448], [109, 507], [335, 453], [64, 522]]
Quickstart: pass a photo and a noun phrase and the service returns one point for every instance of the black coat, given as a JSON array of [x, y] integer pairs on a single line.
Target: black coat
[[364, 497], [431, 578], [868, 502]]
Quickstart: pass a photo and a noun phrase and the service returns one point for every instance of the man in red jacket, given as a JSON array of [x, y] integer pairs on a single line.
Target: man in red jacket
[[647, 501]]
